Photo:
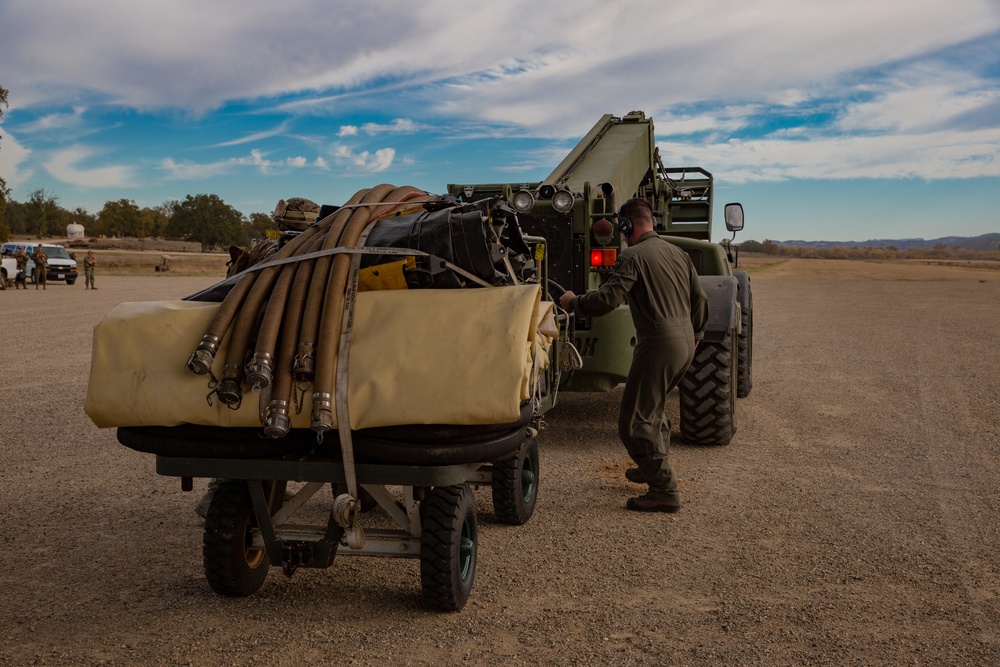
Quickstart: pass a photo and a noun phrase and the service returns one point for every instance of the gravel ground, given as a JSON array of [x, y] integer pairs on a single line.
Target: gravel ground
[[853, 519]]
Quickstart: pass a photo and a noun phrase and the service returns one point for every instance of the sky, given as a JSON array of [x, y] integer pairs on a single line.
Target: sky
[[839, 121]]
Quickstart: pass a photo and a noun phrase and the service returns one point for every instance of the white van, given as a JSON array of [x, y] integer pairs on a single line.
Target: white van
[[61, 265]]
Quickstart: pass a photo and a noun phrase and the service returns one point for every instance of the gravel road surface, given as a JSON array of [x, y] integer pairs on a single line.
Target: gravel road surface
[[853, 519]]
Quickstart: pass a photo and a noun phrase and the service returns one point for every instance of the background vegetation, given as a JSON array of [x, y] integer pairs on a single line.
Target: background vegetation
[[939, 250]]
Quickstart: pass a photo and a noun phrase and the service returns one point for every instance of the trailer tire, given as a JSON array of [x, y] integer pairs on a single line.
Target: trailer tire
[[708, 393], [515, 485], [744, 378], [231, 568], [448, 546]]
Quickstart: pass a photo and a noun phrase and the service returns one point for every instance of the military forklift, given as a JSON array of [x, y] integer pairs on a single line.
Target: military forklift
[[568, 216]]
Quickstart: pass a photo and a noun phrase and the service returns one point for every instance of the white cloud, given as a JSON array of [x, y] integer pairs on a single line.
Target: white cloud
[[920, 100], [401, 125], [192, 171], [54, 121], [255, 136], [348, 131], [380, 160], [189, 171], [534, 72], [934, 155], [64, 165], [12, 155]]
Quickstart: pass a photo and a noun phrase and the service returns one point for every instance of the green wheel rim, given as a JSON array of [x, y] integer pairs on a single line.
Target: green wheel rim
[[528, 479], [466, 550]]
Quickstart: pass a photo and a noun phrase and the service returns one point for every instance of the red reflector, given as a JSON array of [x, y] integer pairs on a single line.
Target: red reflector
[[610, 257], [596, 257]]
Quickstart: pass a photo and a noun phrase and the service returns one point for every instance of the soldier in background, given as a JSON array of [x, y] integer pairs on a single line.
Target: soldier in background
[[88, 270], [21, 258], [41, 267], [295, 214]]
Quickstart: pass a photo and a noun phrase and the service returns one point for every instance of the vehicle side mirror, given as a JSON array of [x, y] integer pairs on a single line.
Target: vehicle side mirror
[[734, 217]]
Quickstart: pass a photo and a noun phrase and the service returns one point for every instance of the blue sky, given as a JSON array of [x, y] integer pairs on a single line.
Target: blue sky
[[829, 121]]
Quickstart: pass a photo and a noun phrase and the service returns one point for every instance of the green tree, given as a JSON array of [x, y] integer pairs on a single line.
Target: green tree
[[44, 213], [120, 218], [156, 219], [209, 221], [17, 218], [259, 225], [4, 191]]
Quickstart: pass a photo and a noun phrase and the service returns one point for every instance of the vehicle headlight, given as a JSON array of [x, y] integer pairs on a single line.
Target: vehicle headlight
[[524, 201], [562, 200]]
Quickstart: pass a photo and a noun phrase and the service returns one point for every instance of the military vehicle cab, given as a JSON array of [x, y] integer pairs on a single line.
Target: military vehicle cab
[[571, 213]]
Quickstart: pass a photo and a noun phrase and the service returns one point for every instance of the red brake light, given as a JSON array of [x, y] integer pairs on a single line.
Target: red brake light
[[603, 257]]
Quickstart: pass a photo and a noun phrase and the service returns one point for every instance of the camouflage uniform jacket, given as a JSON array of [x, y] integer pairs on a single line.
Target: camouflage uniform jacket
[[661, 284]]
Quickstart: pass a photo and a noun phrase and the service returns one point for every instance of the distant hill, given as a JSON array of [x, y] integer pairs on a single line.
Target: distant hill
[[984, 242]]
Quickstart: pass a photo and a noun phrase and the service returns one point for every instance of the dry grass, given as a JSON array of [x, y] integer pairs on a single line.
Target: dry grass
[[130, 257], [905, 270]]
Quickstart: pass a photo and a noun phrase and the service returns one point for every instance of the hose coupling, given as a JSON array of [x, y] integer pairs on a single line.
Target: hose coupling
[[258, 370], [200, 361], [277, 424], [322, 413], [230, 392], [305, 363]]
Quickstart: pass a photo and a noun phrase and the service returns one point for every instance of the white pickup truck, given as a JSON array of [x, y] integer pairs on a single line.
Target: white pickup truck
[[61, 265]]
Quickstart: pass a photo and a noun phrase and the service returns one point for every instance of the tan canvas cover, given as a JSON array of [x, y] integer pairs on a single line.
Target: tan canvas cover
[[418, 357]]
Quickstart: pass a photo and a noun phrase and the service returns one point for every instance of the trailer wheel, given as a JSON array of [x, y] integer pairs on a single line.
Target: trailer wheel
[[744, 379], [515, 485], [232, 568], [708, 393], [448, 547]]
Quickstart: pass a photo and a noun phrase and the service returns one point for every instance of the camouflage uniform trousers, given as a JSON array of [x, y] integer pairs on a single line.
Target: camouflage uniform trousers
[[41, 277], [659, 361], [88, 277]]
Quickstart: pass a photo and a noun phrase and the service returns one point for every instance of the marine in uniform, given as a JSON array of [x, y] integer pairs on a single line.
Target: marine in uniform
[[88, 270], [670, 312], [21, 258], [41, 267]]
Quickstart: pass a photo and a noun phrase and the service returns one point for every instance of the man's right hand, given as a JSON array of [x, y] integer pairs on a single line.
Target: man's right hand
[[566, 300]]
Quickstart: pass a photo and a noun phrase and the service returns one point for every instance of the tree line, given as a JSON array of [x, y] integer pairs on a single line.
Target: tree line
[[202, 218], [938, 251]]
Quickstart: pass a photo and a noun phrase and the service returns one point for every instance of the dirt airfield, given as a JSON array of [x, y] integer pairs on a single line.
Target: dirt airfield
[[854, 519]]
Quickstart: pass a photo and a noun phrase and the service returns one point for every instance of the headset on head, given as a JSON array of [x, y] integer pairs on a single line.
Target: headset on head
[[625, 225]]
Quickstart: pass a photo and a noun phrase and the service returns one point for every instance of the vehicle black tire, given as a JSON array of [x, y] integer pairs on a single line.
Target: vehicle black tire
[[448, 545], [231, 567], [708, 393], [744, 378], [70, 282], [515, 485]]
